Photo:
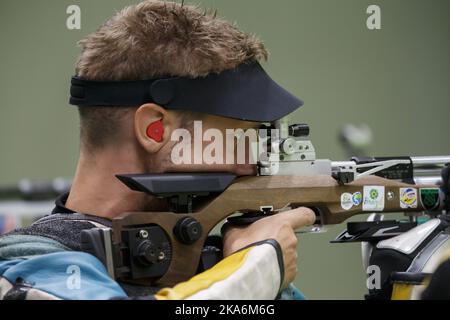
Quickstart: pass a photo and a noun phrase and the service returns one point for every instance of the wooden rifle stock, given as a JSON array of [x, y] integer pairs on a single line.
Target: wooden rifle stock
[[249, 194]]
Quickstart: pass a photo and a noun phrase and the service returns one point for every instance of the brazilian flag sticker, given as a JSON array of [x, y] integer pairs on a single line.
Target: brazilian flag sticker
[[429, 198]]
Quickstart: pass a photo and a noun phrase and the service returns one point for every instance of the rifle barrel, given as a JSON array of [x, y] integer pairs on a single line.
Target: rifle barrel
[[430, 161], [432, 180]]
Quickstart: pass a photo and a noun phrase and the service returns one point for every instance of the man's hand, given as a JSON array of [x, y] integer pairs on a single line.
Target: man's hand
[[279, 227]]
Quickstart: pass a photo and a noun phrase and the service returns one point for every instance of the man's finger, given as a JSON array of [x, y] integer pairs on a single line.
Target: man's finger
[[299, 217]]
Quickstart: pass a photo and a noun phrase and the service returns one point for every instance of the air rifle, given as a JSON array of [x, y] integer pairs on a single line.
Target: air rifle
[[165, 248]]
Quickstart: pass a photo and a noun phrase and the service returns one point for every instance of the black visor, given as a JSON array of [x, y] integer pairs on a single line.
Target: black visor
[[245, 93]]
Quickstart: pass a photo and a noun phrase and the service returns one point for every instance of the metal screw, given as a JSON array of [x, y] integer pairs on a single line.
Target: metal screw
[[143, 234], [390, 195], [161, 256]]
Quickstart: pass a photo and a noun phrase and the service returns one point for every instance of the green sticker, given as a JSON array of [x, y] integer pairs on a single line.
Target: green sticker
[[373, 194], [429, 198]]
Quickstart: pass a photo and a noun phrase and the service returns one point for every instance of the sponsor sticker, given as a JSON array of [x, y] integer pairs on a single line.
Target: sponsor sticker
[[429, 197], [346, 201], [408, 198], [349, 200], [357, 198], [373, 198]]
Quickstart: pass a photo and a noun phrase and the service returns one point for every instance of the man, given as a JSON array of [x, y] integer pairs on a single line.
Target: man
[[154, 40]]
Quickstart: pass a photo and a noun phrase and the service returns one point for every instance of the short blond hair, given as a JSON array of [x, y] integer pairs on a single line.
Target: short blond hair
[[159, 38], [153, 39]]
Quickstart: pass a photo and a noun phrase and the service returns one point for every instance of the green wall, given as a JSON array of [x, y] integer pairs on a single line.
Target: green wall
[[395, 79]]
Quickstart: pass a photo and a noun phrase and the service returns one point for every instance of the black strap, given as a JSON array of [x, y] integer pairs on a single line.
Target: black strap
[[105, 93]]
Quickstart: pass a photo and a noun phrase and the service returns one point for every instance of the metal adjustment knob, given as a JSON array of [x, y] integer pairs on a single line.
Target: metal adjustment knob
[[188, 230], [288, 146], [148, 253]]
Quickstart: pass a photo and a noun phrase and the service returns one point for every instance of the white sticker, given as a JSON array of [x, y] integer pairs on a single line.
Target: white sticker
[[408, 198], [373, 198], [346, 201]]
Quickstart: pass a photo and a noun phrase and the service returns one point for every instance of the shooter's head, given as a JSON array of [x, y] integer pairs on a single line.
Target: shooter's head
[[187, 66]]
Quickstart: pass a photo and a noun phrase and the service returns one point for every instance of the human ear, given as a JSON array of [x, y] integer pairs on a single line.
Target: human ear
[[152, 126]]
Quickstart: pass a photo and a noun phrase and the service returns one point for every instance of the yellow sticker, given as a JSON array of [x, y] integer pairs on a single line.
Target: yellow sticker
[[408, 198]]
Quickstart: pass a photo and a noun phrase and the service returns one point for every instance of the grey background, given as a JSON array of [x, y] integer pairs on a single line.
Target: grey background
[[395, 79]]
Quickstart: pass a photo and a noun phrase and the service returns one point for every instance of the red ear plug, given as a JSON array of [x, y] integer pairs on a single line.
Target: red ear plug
[[155, 131]]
